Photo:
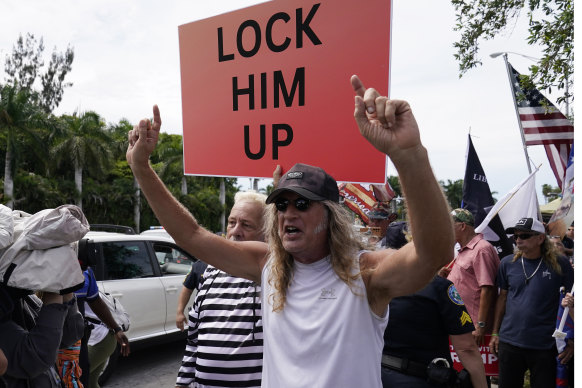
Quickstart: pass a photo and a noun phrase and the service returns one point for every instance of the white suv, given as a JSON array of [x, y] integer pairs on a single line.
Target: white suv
[[145, 272]]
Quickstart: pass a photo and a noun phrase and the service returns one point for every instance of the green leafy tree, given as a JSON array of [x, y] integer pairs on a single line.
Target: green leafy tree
[[453, 191], [118, 133], [110, 199], [550, 192], [551, 26], [21, 125], [171, 156], [35, 192], [395, 184], [25, 68], [200, 195], [203, 199], [84, 145]]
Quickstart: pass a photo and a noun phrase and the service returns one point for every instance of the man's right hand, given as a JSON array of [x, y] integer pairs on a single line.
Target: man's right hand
[[143, 139], [181, 320], [3, 363], [444, 272]]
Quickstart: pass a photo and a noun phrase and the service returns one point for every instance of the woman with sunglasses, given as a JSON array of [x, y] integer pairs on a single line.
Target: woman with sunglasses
[[325, 300], [527, 306]]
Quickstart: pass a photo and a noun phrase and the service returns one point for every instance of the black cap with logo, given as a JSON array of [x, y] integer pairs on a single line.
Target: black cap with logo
[[309, 182], [527, 225]]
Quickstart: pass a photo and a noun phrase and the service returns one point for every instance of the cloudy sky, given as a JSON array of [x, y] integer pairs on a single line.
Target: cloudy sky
[[127, 59]]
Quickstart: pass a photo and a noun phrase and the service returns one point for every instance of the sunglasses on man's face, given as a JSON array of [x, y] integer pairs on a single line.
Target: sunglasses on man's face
[[301, 204], [523, 236]]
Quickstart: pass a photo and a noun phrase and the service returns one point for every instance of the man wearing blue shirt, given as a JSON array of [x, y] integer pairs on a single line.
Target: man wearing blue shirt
[[526, 309]]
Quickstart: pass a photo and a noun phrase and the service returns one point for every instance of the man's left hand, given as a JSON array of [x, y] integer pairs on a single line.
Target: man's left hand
[[388, 125], [568, 353], [122, 340]]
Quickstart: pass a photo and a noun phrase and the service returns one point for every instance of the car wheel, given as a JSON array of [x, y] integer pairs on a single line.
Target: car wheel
[[110, 366]]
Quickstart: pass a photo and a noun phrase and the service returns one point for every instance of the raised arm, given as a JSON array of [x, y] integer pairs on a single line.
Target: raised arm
[[243, 259], [390, 126]]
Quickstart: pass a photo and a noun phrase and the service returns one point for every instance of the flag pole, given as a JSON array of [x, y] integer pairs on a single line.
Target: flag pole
[[517, 113]]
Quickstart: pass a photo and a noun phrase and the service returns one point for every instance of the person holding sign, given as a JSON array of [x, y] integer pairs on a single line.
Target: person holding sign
[[325, 300]]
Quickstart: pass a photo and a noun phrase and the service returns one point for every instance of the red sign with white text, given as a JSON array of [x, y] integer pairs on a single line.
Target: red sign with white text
[[270, 84], [490, 360]]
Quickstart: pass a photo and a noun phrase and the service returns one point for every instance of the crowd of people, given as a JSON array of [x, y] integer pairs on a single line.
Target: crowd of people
[[295, 297], [476, 298], [43, 292]]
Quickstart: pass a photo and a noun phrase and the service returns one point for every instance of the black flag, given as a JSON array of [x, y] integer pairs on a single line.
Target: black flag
[[478, 200]]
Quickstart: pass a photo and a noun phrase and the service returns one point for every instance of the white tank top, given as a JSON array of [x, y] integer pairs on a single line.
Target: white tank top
[[325, 337]]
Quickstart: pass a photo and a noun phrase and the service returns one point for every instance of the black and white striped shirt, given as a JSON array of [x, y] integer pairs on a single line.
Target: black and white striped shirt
[[225, 334]]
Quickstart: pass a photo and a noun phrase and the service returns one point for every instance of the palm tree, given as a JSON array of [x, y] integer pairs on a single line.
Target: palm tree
[[20, 117], [83, 144], [453, 191], [119, 135], [170, 153]]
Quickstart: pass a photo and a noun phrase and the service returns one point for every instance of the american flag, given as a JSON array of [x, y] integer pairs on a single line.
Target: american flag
[[543, 124]]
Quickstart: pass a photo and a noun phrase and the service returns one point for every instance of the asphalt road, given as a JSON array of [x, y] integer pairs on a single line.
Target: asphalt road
[[152, 367]]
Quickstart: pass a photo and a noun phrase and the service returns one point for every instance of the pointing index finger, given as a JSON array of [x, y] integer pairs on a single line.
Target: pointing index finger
[[358, 86], [157, 118]]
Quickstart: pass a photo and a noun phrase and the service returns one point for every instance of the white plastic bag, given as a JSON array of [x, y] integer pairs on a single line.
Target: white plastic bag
[[43, 256]]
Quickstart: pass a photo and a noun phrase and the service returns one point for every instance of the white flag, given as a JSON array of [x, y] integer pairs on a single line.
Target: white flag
[[520, 202]]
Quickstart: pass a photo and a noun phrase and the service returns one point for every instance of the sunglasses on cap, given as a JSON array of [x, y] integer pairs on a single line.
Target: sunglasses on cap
[[523, 236], [301, 204]]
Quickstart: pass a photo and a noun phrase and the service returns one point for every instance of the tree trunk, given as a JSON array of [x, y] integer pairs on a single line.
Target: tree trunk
[[136, 205], [79, 185], [8, 181], [184, 185]]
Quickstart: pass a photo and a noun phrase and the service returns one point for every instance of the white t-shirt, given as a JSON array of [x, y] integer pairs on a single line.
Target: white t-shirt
[[325, 336], [99, 331]]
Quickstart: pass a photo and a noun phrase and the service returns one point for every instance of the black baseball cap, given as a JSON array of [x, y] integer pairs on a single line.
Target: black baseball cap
[[309, 182], [527, 225]]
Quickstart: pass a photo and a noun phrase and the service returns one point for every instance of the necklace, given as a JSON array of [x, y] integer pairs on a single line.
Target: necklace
[[534, 272]]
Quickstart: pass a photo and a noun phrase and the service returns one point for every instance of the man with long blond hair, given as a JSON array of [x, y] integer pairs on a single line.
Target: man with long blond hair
[[324, 299], [527, 306]]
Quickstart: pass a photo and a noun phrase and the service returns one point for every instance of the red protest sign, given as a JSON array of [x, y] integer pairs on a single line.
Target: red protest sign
[[490, 360], [270, 84]]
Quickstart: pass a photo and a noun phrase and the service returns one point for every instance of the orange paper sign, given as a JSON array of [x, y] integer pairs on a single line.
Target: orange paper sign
[[270, 84]]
